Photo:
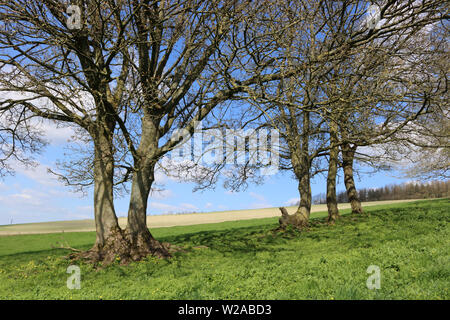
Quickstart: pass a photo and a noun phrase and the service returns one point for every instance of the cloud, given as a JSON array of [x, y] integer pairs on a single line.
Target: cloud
[[160, 176], [166, 208], [292, 202], [169, 208], [56, 135], [3, 187], [38, 174], [189, 206], [261, 201], [22, 199], [257, 196], [87, 209], [25, 205], [208, 205], [161, 194]]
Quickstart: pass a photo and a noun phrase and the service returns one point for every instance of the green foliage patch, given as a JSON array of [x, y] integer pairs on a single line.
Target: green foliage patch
[[247, 260]]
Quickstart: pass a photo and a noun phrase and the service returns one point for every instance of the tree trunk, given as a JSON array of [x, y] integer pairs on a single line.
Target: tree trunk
[[300, 218], [348, 154], [142, 241], [105, 215], [333, 211], [304, 188], [111, 242], [301, 165]]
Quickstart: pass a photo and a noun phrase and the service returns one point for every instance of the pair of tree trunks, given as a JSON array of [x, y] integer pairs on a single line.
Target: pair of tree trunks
[[113, 243], [348, 155]]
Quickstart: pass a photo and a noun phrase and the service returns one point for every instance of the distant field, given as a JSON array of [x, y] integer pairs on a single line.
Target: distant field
[[245, 259], [158, 221]]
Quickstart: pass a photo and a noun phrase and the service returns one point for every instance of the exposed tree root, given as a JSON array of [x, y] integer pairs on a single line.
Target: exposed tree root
[[296, 220], [123, 247], [331, 219], [357, 210]]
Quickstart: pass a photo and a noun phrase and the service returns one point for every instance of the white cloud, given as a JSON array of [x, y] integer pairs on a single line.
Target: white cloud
[[261, 201], [189, 206], [169, 208], [55, 134], [21, 199], [30, 205], [161, 194], [160, 176], [166, 208], [38, 174], [292, 202], [3, 187], [87, 209], [208, 205], [257, 196]]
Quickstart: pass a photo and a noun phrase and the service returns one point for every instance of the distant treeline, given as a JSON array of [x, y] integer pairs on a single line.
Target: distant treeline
[[408, 190]]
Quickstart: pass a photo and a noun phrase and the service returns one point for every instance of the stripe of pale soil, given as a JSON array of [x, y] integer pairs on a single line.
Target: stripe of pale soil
[[157, 221]]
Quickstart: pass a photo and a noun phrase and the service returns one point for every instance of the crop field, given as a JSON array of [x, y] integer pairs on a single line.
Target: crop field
[[247, 259], [157, 221]]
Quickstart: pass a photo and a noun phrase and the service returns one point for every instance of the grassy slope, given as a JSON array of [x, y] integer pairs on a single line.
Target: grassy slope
[[245, 260]]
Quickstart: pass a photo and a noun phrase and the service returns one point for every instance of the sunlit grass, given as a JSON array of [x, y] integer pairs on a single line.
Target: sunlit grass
[[247, 260]]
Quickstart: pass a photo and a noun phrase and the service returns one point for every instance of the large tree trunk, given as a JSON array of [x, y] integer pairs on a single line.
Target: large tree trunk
[[142, 241], [348, 154], [333, 212], [304, 188], [300, 218], [301, 165], [111, 242], [105, 215]]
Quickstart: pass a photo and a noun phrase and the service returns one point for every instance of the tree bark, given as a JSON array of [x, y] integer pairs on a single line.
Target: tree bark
[[111, 243], [348, 154], [105, 215], [302, 167], [300, 218], [304, 188], [333, 211], [142, 241]]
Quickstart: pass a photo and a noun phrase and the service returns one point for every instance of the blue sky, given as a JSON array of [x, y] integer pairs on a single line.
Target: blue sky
[[34, 195]]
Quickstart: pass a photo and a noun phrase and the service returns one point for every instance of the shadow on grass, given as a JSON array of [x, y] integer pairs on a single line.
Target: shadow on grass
[[253, 239]]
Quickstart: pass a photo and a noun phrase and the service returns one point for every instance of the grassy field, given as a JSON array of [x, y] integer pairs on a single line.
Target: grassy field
[[246, 260]]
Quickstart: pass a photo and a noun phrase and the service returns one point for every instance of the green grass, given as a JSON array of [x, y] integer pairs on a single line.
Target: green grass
[[245, 260]]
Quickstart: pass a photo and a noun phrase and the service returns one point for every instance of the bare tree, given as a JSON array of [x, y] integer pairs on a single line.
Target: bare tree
[[128, 74], [347, 82], [70, 69]]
